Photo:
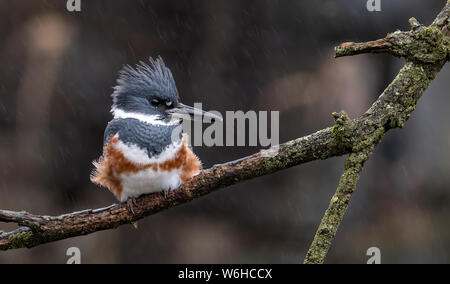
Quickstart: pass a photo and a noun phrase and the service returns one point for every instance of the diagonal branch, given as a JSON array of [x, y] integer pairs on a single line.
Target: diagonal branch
[[320, 145], [338, 206], [423, 47], [392, 109]]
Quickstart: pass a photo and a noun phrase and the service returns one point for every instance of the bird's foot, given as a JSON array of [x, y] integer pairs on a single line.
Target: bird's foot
[[131, 202], [165, 192]]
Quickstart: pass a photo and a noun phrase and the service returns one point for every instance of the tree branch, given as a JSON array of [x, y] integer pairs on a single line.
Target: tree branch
[[320, 145], [392, 109], [423, 47], [337, 208], [421, 44]]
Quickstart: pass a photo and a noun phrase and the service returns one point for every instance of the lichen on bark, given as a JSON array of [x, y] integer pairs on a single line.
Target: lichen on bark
[[338, 206]]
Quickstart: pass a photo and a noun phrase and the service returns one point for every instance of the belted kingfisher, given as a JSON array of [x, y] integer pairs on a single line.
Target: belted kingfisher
[[143, 151]]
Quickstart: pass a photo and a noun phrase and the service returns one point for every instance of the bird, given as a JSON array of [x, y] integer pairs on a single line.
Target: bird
[[144, 148]]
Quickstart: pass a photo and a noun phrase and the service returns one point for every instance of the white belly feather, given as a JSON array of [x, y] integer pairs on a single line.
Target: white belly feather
[[148, 181]]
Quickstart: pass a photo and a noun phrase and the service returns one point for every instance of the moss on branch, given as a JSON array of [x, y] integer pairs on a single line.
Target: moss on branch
[[337, 208]]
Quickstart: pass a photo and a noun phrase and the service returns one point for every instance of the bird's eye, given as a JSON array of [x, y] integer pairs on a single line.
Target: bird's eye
[[154, 102], [169, 103]]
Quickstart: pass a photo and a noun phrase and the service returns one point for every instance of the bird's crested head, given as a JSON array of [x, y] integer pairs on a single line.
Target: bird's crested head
[[148, 89]]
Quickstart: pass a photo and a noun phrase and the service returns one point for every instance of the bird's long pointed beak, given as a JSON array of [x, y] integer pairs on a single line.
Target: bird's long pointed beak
[[183, 111]]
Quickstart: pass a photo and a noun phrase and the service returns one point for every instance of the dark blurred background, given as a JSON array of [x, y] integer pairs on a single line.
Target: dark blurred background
[[57, 70]]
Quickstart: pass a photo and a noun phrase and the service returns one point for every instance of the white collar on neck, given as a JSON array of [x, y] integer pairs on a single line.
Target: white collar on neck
[[147, 118]]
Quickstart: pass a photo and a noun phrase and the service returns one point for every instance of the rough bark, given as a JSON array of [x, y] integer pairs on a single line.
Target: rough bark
[[338, 206]]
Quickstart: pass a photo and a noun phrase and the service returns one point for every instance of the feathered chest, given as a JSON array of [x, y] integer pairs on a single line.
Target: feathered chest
[[133, 165]]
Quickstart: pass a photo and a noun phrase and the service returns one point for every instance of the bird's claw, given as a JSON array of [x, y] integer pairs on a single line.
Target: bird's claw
[[131, 202]]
